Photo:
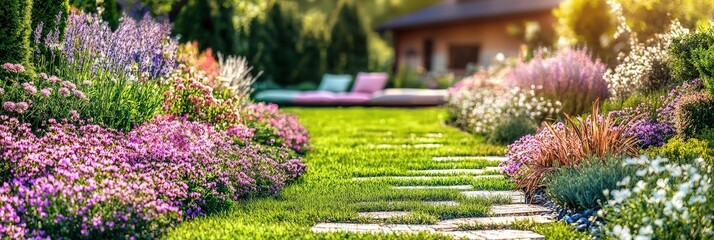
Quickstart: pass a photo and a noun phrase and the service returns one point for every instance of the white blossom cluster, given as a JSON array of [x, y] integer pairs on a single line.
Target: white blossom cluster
[[662, 201], [235, 77], [481, 110], [644, 60]]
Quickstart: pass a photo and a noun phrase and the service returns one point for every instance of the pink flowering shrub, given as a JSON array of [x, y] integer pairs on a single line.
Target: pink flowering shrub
[[570, 77], [34, 100], [285, 126], [85, 181]]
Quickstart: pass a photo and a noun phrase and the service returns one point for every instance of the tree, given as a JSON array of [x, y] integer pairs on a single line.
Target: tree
[[347, 52], [210, 23], [15, 17], [588, 23]]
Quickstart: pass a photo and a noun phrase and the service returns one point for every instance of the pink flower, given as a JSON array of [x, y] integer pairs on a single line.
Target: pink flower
[[46, 92], [80, 95], [21, 107], [19, 68], [53, 79], [74, 115], [9, 106], [9, 66], [44, 76], [87, 82], [29, 88], [2, 91], [65, 92]]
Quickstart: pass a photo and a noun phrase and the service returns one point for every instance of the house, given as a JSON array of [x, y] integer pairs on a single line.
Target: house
[[448, 36]]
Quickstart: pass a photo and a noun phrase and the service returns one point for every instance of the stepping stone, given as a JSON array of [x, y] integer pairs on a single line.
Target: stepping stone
[[516, 196], [518, 209], [457, 187], [492, 221], [423, 178], [461, 158], [435, 203], [495, 235], [349, 227], [388, 146], [384, 215], [451, 171]]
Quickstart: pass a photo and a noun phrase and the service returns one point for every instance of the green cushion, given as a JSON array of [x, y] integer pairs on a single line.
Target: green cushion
[[277, 96], [335, 83]]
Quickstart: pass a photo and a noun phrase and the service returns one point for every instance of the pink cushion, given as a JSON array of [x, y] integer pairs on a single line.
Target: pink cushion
[[369, 82], [352, 98], [315, 98]]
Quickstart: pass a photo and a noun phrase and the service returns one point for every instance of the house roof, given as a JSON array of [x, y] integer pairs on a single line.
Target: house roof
[[458, 10]]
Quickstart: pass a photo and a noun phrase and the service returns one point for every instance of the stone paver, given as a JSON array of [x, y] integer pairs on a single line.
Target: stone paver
[[417, 146], [518, 209], [491, 221], [425, 178], [435, 203], [495, 235], [461, 158], [384, 215], [450, 171], [516, 196], [457, 187]]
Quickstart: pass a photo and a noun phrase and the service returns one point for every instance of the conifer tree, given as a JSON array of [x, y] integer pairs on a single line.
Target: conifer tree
[[15, 18], [348, 51]]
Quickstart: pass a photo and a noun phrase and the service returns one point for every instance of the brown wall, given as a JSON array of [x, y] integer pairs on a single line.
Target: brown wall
[[490, 34]]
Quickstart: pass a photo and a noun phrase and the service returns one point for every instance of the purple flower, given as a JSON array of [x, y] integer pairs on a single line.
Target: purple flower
[[8, 106], [65, 92], [29, 88], [46, 92], [16, 68], [21, 107]]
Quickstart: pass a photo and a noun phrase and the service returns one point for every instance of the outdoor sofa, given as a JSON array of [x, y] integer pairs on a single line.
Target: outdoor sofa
[[367, 90]]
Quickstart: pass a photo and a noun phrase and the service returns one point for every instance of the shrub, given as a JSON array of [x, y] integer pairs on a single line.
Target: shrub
[[581, 187], [694, 114], [567, 145], [570, 77], [644, 69], [683, 152], [480, 111], [37, 99], [704, 61], [682, 51], [15, 15], [205, 61], [49, 15], [285, 126], [661, 201], [85, 181], [235, 80], [512, 130]]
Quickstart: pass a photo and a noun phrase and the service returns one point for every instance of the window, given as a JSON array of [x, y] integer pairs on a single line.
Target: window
[[461, 55]]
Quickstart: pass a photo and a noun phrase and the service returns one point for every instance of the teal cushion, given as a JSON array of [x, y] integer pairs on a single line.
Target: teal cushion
[[277, 96], [335, 83]]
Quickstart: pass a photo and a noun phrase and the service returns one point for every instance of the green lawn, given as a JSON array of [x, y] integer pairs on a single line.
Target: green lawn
[[350, 142]]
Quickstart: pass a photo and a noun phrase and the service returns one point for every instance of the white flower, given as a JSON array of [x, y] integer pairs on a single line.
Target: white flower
[[639, 187], [622, 232]]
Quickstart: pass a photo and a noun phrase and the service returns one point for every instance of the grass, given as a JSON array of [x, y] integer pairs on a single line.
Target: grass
[[343, 141]]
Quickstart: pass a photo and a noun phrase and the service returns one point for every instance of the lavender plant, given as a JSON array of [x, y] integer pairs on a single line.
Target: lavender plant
[[570, 77]]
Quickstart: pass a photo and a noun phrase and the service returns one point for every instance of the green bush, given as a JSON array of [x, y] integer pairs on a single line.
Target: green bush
[[15, 29], [581, 187], [47, 13], [683, 59], [513, 129], [694, 114], [683, 152], [704, 61]]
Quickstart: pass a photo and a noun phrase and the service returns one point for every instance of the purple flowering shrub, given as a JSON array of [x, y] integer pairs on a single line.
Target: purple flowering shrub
[[570, 77], [527, 149], [85, 181], [36, 99], [657, 123], [285, 126]]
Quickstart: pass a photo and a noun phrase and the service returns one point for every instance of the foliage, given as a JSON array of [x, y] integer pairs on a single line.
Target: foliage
[[36, 100], [694, 114], [569, 77], [210, 23], [15, 16], [582, 186], [512, 129], [684, 152], [684, 59], [408, 77], [662, 200], [567, 145], [49, 15], [108, 10], [205, 61], [644, 69], [704, 59], [285, 126], [103, 184], [235, 80], [347, 52], [586, 23], [481, 110]]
